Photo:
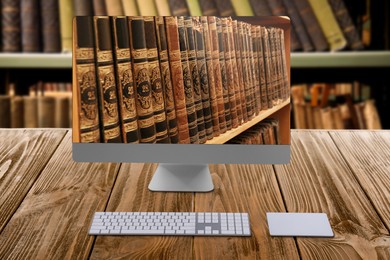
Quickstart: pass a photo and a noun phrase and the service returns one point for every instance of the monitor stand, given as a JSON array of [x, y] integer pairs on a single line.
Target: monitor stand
[[182, 178]]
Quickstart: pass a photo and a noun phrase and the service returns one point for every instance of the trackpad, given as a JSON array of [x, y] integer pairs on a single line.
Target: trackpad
[[299, 224]]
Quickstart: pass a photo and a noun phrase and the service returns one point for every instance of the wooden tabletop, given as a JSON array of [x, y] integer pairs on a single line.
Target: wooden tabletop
[[47, 201]]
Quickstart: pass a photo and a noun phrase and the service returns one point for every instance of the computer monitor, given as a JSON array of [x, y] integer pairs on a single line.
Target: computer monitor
[[123, 67]]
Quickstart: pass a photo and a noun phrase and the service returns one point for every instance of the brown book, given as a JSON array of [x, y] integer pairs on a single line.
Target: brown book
[[51, 38], [158, 103], [371, 116], [84, 87], [5, 111], [30, 112], [188, 84], [194, 72], [209, 8], [338, 121], [177, 78], [267, 67], [217, 73], [66, 15], [17, 115], [166, 80], [107, 88], [99, 7], [46, 111], [251, 67], [274, 66], [124, 79], [225, 8], [61, 114], [327, 118], [114, 7], [317, 118], [255, 30], [83, 8], [309, 116], [311, 24], [246, 67], [10, 21], [299, 107], [30, 31], [284, 68], [178, 7], [210, 74], [263, 83]]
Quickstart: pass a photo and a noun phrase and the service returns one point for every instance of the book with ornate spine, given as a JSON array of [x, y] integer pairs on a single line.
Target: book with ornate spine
[[172, 34], [194, 72], [251, 67], [147, 7], [225, 8], [208, 8], [66, 14], [194, 7], [99, 7], [245, 68], [130, 7], [210, 74], [286, 79], [158, 103], [225, 85], [162, 7], [114, 7], [83, 8], [188, 84], [144, 104], [267, 66], [124, 80], [166, 80], [229, 73], [281, 85], [30, 31], [10, 22], [203, 76], [217, 73], [256, 70], [263, 81], [51, 38], [107, 88], [273, 66], [84, 84], [178, 7]]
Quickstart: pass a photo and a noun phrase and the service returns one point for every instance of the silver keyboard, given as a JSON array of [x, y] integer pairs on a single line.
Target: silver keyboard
[[171, 223]]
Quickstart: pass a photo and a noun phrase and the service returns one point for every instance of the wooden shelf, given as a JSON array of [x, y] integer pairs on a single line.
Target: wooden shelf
[[36, 60], [223, 138]]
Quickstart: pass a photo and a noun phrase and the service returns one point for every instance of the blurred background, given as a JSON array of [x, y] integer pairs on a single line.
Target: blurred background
[[340, 60]]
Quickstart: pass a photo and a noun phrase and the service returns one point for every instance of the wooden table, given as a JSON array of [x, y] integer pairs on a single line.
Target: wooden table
[[47, 200]]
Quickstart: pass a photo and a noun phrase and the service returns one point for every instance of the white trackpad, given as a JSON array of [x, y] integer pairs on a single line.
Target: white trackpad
[[299, 224]]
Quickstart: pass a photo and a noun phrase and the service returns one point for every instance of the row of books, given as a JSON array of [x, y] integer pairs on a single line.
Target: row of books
[[173, 79], [334, 106]]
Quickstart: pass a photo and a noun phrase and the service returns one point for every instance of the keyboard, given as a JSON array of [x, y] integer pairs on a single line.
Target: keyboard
[[170, 223]]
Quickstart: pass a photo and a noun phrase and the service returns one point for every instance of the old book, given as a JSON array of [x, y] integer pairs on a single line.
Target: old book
[[248, 36], [166, 80], [210, 74], [209, 8], [225, 85], [188, 84], [46, 114], [194, 72], [203, 76], [17, 115], [242, 7], [263, 83], [317, 118], [177, 78], [30, 112], [162, 7], [347, 26], [225, 8], [309, 116], [299, 107], [125, 80], [99, 7], [61, 112], [245, 73], [144, 104], [147, 7], [346, 117], [217, 73], [311, 24], [66, 14], [178, 7], [285, 69], [336, 116], [84, 87], [329, 25], [51, 38], [83, 7], [371, 116], [255, 30], [10, 21], [248, 71], [274, 65], [114, 7], [158, 103], [267, 67], [5, 111], [327, 118], [30, 31], [106, 84]]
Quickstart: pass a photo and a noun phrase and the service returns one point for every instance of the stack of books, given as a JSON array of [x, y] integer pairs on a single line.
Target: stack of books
[[266, 132]]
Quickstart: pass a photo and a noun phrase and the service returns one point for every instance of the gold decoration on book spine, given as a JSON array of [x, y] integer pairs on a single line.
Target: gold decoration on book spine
[[126, 78], [84, 53], [152, 53], [123, 53], [139, 54], [104, 56]]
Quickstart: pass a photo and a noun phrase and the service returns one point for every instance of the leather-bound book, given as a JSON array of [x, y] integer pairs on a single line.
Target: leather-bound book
[[83, 8], [143, 88], [124, 80], [251, 68], [346, 24], [46, 114], [30, 31], [66, 15], [5, 111], [285, 69], [30, 112], [147, 7], [178, 7], [203, 76], [84, 87], [61, 112], [107, 88], [208, 7], [17, 115], [263, 81], [10, 21], [162, 7], [160, 118], [166, 80], [177, 78], [114, 7], [274, 61], [210, 74], [217, 73], [51, 38], [194, 7], [267, 66], [256, 71], [188, 84], [279, 69], [194, 72], [225, 86], [225, 8], [311, 24], [229, 75], [99, 7]]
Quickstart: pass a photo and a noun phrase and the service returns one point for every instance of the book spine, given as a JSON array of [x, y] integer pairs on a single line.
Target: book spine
[[114, 7], [229, 73], [66, 14], [203, 77], [251, 68], [225, 8], [278, 55], [30, 26], [162, 7], [46, 108], [166, 80], [144, 106], [61, 113], [125, 81], [260, 7], [83, 8], [256, 71], [86, 88], [107, 88], [50, 26], [30, 112], [10, 21], [285, 69], [217, 73], [274, 72], [178, 8], [17, 115], [160, 118], [188, 84], [210, 74], [245, 69], [267, 66], [193, 63], [99, 7], [177, 78], [5, 111], [208, 8]]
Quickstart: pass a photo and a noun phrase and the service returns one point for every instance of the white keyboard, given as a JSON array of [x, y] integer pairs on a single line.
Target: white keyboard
[[170, 223]]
